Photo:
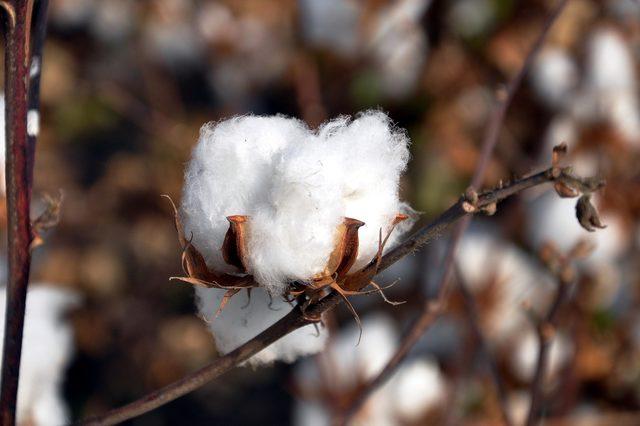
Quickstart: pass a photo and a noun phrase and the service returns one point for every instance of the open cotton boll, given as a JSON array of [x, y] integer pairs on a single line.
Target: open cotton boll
[[296, 186], [46, 350], [243, 319]]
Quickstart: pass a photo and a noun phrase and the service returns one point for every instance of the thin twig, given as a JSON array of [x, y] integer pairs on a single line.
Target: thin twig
[[471, 311], [545, 331], [19, 177], [433, 308], [295, 319]]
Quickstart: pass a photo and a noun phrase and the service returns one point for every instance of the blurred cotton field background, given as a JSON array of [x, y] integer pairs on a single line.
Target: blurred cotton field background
[[126, 86]]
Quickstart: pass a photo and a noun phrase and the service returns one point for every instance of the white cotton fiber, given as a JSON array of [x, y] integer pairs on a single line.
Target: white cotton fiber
[[46, 350], [296, 185], [243, 319]]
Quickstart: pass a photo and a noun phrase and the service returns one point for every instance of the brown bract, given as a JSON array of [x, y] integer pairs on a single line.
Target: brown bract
[[334, 277]]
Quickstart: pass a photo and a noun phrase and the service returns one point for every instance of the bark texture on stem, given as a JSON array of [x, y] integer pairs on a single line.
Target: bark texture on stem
[[19, 177]]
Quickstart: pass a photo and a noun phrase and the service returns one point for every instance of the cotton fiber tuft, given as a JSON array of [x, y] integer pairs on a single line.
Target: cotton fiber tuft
[[296, 185]]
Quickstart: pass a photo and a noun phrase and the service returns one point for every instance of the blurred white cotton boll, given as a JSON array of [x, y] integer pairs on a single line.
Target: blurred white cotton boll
[[551, 218], [332, 24], [400, 46], [113, 20], [72, 12], [46, 351], [415, 390], [418, 388], [296, 185], [525, 355], [611, 79], [471, 18], [244, 318], [483, 260], [554, 75], [610, 64]]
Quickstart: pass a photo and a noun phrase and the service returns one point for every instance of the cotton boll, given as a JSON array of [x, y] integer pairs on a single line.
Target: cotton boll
[[610, 65], [229, 174], [331, 24], [399, 46], [113, 21], [344, 365], [524, 358], [310, 414], [554, 75], [174, 44], [242, 319], [418, 389], [471, 18], [72, 12], [485, 259], [297, 186], [46, 349]]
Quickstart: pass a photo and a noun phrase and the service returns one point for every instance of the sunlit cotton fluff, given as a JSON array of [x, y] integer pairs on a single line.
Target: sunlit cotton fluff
[[242, 319], [296, 185], [46, 350]]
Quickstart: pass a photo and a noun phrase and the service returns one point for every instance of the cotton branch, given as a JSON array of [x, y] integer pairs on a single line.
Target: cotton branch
[[467, 205], [20, 136]]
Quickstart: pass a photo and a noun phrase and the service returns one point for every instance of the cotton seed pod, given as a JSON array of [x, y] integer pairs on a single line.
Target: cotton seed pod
[[587, 214]]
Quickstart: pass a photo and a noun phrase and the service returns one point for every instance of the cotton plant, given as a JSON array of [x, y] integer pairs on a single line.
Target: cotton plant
[[47, 347], [596, 113], [416, 394], [288, 214]]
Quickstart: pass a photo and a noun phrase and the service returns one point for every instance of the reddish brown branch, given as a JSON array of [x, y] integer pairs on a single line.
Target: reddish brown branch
[[19, 177]]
